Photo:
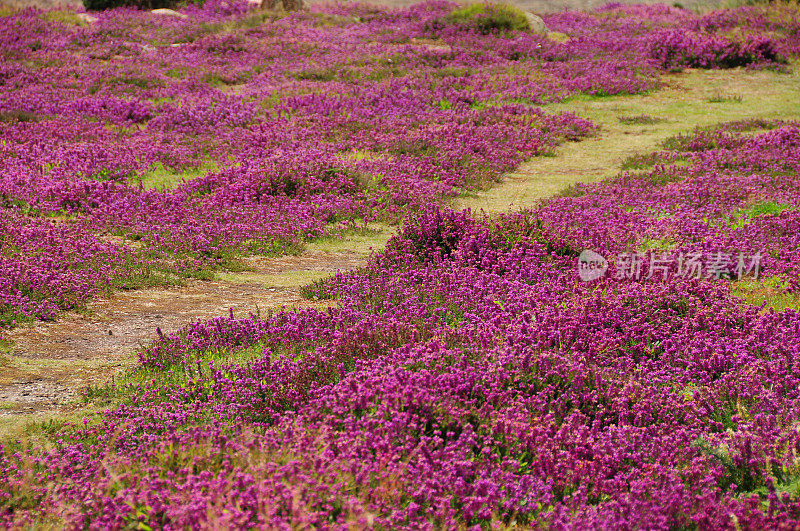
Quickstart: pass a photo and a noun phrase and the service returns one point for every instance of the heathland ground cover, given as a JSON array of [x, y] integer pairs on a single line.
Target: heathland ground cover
[[466, 375]]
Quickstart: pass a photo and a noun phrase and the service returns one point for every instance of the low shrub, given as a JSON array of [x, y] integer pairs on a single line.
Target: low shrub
[[678, 49], [489, 18]]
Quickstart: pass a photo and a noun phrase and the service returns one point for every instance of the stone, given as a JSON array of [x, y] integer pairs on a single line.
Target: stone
[[536, 23], [86, 17], [168, 13]]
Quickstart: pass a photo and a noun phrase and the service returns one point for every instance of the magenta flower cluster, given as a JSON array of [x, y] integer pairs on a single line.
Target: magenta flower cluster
[[731, 190], [467, 378]]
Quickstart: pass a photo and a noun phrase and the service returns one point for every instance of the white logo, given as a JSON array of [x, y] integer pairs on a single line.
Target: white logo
[[591, 265]]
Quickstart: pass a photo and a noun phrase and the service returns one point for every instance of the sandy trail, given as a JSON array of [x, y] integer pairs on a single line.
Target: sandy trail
[[49, 362]]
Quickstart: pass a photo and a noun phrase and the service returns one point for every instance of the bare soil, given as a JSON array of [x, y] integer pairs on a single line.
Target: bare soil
[[49, 362]]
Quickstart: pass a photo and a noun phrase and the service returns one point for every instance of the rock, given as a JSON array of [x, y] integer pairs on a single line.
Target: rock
[[536, 23], [86, 17], [432, 44], [168, 13]]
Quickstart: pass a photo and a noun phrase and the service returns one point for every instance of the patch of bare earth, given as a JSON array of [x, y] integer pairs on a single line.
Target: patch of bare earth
[[49, 362]]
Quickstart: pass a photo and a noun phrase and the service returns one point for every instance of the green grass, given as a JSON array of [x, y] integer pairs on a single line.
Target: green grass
[[453, 71], [176, 376], [557, 36], [639, 162], [235, 25], [767, 208], [361, 154], [743, 216], [489, 18], [769, 292], [658, 244], [20, 431], [5, 346], [361, 240], [641, 119], [725, 98], [64, 17], [161, 178]]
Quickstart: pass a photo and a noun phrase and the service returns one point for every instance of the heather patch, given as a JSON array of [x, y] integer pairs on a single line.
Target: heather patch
[[466, 375], [500, 360], [440, 114]]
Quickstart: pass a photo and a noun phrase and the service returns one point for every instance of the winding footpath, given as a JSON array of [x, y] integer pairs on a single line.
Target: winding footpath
[[49, 363]]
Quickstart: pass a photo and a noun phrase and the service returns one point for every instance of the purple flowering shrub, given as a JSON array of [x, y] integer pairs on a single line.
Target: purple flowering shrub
[[314, 134], [676, 38], [728, 189], [488, 386], [673, 48]]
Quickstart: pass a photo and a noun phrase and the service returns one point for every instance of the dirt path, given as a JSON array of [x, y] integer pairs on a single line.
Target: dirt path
[[679, 106], [47, 364]]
